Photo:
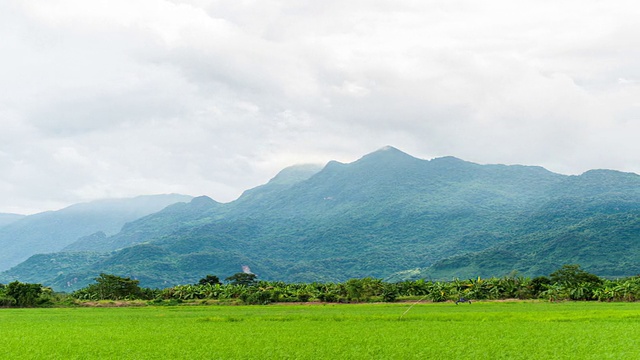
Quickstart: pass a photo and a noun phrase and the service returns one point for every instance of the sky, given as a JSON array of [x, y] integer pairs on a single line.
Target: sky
[[118, 98]]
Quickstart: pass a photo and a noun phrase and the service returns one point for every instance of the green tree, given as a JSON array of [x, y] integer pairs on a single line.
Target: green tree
[[209, 279], [246, 279], [25, 295], [5, 300], [573, 275], [111, 287]]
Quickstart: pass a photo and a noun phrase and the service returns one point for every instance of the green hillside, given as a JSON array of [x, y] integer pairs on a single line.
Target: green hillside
[[386, 215], [54, 230], [165, 221], [602, 237]]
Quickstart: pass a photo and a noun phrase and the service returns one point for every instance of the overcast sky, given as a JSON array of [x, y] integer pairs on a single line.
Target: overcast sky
[[120, 98]]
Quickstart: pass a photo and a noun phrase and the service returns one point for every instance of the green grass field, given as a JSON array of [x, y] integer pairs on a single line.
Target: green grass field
[[491, 330]]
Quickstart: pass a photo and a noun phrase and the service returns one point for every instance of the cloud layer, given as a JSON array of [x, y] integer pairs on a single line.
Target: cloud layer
[[120, 98]]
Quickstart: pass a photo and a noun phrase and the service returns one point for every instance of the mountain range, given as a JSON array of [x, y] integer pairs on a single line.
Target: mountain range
[[23, 236], [387, 215]]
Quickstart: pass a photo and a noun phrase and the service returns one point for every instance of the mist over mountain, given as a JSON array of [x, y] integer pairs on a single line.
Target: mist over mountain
[[6, 219], [54, 230], [387, 215]]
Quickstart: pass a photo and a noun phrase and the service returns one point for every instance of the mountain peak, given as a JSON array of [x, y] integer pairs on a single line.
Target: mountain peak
[[388, 148], [386, 154], [203, 201]]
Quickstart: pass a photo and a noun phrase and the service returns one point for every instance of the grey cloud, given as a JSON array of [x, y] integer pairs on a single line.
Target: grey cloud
[[213, 97], [72, 115]]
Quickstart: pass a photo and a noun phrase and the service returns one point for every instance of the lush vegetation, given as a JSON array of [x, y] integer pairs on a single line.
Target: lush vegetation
[[17, 294], [485, 330], [570, 282], [387, 215]]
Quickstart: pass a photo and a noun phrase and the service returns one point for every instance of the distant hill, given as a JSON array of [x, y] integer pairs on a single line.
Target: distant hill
[[54, 230], [387, 215], [6, 219], [152, 225]]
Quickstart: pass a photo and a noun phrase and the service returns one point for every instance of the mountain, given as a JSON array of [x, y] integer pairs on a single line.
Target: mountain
[[152, 225], [6, 219], [387, 215], [201, 210], [593, 220], [54, 230]]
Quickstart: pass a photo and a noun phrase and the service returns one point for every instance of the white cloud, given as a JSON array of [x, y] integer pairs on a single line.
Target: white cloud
[[118, 98]]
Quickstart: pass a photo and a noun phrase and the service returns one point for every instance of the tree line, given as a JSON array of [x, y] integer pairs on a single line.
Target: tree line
[[569, 282]]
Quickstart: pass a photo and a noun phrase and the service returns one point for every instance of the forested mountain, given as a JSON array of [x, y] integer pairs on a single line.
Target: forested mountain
[[592, 220], [386, 215], [168, 220], [54, 230], [6, 219]]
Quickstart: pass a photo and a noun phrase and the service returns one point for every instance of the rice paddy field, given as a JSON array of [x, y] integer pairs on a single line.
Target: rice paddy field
[[483, 330]]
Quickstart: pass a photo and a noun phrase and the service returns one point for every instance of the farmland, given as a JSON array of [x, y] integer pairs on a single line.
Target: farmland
[[482, 330]]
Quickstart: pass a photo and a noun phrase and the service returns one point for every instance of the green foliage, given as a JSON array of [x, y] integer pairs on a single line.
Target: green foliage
[[358, 290], [569, 282], [389, 292], [112, 287], [5, 300], [209, 279], [17, 294], [573, 275], [564, 287], [539, 284], [26, 295], [244, 279]]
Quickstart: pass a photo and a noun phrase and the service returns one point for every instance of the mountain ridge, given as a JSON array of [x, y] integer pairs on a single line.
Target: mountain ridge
[[53, 230], [387, 215]]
